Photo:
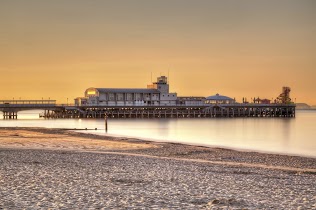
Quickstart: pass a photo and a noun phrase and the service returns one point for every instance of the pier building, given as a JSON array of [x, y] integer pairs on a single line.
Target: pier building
[[155, 94], [219, 99]]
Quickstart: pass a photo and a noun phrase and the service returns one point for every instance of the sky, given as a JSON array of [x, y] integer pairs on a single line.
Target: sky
[[239, 48]]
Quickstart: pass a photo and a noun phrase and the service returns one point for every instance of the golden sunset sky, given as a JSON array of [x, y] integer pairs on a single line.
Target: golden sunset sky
[[243, 48]]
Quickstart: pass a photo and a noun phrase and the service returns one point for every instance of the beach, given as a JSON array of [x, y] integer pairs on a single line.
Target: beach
[[60, 168]]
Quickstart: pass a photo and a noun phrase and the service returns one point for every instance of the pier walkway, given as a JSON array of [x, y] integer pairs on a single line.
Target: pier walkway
[[10, 108]]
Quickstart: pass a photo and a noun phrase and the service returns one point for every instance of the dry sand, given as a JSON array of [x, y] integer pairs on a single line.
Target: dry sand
[[51, 168]]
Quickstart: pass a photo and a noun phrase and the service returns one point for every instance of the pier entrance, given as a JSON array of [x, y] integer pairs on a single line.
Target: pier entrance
[[10, 108]]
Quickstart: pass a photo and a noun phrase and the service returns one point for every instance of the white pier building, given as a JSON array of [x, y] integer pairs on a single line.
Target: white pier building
[[156, 94]]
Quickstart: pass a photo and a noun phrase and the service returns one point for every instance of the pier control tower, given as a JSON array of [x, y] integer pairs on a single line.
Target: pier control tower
[[161, 85], [166, 98]]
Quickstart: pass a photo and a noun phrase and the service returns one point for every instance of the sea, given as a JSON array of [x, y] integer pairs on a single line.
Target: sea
[[292, 136]]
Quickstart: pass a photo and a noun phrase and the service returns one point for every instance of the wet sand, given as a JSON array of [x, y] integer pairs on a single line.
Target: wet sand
[[51, 168], [37, 138]]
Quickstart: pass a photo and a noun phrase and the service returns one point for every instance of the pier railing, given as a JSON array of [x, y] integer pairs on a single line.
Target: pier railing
[[177, 105], [19, 105], [20, 102]]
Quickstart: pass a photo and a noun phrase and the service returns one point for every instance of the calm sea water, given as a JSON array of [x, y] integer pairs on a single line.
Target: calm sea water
[[295, 136]]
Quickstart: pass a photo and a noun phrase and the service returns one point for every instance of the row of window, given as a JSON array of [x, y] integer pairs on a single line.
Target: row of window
[[168, 95]]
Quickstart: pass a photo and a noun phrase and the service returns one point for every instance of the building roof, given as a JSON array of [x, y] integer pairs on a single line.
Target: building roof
[[191, 98], [127, 90], [218, 97]]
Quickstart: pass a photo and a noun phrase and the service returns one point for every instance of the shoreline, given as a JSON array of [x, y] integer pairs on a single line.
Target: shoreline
[[119, 137], [176, 150], [115, 137], [56, 169], [283, 141]]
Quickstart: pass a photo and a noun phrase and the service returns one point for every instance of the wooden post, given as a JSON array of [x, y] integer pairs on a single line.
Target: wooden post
[[293, 111], [106, 123]]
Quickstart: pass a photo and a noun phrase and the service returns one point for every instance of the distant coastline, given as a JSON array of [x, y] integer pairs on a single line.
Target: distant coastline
[[305, 106]]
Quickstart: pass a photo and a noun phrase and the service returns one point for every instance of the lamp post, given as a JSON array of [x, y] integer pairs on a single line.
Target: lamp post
[[67, 101]]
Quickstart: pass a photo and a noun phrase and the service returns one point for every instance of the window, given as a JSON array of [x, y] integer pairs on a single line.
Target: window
[[111, 97], [91, 92]]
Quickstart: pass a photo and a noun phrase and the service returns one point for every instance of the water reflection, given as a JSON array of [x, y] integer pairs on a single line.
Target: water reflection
[[276, 135], [288, 126]]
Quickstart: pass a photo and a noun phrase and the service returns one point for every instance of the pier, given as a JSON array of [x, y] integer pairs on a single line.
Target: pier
[[155, 101], [52, 110], [210, 111]]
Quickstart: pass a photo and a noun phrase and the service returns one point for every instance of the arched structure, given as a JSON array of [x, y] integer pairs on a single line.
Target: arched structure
[[219, 99]]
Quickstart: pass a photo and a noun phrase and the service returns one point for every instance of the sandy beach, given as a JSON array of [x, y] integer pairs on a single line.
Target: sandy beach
[[54, 168]]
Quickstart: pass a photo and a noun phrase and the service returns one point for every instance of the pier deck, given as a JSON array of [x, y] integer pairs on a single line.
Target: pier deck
[[227, 110], [10, 110]]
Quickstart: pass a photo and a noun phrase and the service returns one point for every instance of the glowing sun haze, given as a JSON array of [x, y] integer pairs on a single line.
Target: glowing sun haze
[[243, 48]]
